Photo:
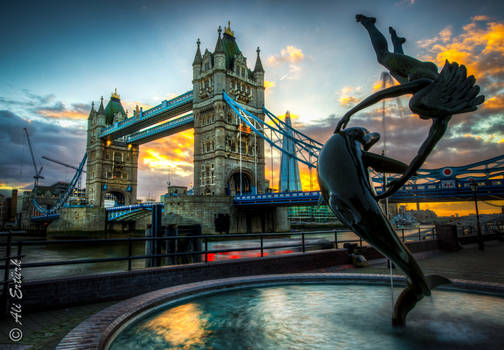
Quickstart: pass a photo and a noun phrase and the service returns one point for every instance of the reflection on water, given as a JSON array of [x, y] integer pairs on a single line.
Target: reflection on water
[[318, 317], [183, 326]]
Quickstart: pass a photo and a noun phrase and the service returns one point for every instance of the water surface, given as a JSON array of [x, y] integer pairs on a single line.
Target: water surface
[[318, 317]]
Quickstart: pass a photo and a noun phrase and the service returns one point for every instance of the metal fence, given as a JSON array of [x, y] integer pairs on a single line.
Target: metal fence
[[14, 248]]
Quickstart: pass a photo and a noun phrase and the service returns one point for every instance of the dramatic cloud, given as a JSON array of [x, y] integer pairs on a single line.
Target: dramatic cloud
[[46, 108], [480, 47], [268, 86], [16, 167], [292, 56], [166, 160], [346, 96]]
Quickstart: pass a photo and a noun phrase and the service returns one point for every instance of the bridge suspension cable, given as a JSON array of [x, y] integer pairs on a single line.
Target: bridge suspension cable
[[306, 149], [64, 197]]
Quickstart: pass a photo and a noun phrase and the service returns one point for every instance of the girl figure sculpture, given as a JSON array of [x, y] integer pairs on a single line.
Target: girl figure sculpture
[[436, 96]]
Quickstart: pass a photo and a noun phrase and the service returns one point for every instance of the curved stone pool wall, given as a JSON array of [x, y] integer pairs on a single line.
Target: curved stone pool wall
[[97, 331]]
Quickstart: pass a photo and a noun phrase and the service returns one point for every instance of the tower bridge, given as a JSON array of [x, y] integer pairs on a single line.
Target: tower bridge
[[231, 127]]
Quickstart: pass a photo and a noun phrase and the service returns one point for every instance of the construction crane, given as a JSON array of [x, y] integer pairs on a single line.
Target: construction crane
[[67, 165], [37, 173], [61, 163]]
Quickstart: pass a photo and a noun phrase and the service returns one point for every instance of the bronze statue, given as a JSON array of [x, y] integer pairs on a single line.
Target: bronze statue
[[436, 96], [344, 160]]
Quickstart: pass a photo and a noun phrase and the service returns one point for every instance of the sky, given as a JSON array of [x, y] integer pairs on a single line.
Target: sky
[[60, 56]]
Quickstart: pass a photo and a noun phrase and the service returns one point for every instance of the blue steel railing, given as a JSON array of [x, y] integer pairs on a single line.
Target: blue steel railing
[[114, 213], [139, 136], [280, 197], [438, 190], [165, 106]]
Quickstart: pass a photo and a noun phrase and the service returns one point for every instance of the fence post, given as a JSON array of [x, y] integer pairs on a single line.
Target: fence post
[[20, 247], [130, 252], [302, 239], [206, 250], [262, 246], [6, 272], [419, 234], [336, 238], [360, 242], [402, 233]]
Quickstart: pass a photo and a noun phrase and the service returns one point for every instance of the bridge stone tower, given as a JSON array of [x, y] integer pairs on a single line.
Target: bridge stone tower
[[111, 173], [228, 157]]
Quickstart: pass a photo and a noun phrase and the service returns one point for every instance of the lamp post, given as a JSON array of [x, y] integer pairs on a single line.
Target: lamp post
[[474, 188]]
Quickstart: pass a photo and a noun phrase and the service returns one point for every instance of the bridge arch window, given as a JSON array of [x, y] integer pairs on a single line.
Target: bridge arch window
[[118, 157], [107, 155], [117, 174]]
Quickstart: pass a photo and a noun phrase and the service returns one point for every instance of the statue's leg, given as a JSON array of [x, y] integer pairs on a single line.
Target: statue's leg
[[379, 42], [397, 41]]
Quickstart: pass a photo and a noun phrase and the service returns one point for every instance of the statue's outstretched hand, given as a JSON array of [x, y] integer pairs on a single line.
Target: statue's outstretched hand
[[451, 93]]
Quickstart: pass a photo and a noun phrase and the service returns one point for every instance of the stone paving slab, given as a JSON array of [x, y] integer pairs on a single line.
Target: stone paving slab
[[466, 264], [43, 330]]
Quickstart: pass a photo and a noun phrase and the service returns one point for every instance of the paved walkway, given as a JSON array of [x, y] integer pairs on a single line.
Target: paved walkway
[[466, 264], [43, 330]]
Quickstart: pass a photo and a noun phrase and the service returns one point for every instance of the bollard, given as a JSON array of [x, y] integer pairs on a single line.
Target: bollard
[[302, 239], [130, 252], [262, 246], [206, 250], [336, 239]]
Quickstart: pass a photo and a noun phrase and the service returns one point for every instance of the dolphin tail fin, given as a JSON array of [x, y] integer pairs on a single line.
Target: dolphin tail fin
[[435, 280], [410, 296], [404, 303]]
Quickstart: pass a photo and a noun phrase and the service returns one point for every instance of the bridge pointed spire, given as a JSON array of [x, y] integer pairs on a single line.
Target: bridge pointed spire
[[258, 65], [92, 112], [101, 109], [197, 57], [219, 48]]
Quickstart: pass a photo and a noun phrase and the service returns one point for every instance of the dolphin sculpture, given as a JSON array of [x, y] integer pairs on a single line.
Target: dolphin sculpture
[[344, 182]]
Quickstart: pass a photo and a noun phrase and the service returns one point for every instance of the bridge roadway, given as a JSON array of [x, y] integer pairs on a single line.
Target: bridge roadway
[[431, 192], [162, 112], [169, 128]]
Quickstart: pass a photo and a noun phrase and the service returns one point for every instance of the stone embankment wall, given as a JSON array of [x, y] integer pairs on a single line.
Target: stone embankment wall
[[86, 220], [58, 293], [188, 210]]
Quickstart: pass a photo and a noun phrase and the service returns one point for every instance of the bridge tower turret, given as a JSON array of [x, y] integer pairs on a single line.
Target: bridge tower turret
[[228, 157], [111, 169]]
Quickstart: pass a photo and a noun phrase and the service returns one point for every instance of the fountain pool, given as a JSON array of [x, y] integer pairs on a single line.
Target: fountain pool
[[314, 316]]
